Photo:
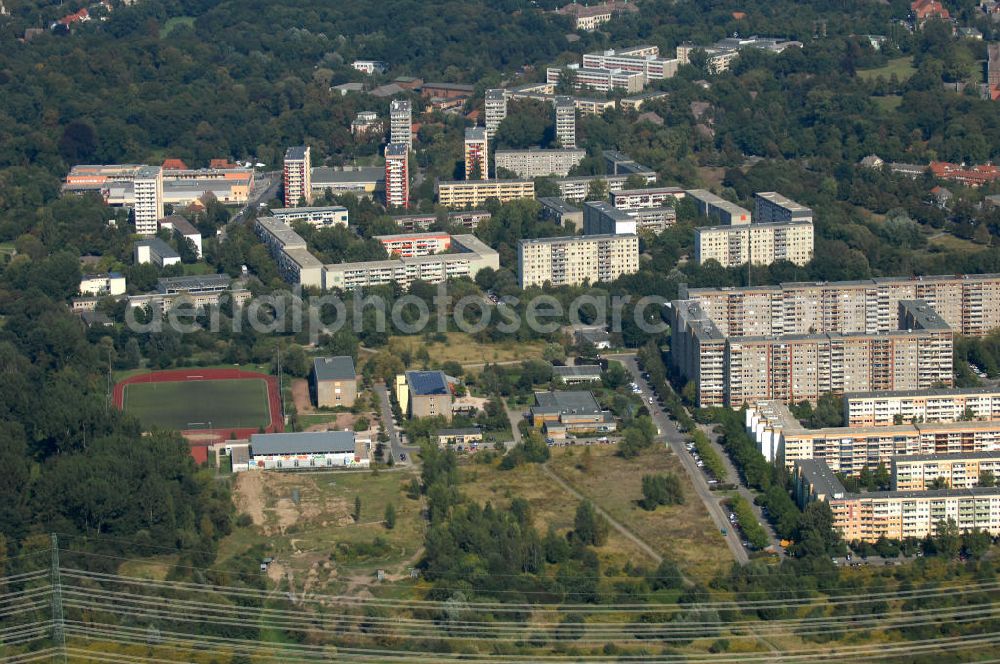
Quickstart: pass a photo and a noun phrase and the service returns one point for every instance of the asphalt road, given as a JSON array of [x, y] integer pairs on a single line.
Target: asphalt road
[[396, 447], [675, 439], [734, 476]]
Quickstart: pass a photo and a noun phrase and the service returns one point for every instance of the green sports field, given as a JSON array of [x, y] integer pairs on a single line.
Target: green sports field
[[219, 404]]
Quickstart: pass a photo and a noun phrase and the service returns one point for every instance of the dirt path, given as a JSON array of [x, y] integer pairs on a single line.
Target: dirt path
[[250, 496], [645, 547], [300, 396]]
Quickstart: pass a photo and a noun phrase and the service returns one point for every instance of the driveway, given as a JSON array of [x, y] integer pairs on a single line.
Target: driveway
[[396, 447]]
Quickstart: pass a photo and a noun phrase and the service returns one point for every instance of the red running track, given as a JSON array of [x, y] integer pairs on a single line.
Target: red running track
[[199, 449]]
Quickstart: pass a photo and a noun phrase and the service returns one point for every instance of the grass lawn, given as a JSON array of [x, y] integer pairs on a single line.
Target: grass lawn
[[683, 533], [888, 103], [175, 22], [952, 243], [179, 405], [902, 67], [316, 539], [463, 349]]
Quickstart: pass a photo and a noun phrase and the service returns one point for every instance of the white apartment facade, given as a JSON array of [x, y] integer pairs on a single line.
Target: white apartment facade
[[535, 162], [574, 260], [874, 409], [474, 193], [397, 176], [761, 244], [565, 109], [401, 122], [297, 175], [334, 215], [494, 110], [148, 192]]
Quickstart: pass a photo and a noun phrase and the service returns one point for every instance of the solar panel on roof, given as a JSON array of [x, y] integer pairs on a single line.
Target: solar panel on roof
[[427, 382]]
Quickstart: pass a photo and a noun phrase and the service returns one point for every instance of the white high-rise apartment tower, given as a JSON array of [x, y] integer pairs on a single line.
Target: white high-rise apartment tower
[[148, 184], [496, 110], [397, 176], [566, 122], [401, 123], [298, 176], [477, 165]]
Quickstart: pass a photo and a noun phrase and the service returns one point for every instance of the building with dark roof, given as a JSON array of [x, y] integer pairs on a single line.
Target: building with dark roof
[[573, 411], [424, 394], [334, 381], [308, 449]]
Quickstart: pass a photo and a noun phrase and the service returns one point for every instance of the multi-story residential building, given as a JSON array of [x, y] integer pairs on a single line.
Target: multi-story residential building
[[575, 189], [334, 381], [565, 109], [197, 292], [722, 54], [896, 514], [636, 102], [111, 283], [184, 231], [332, 215], [654, 220], [590, 106], [495, 110], [397, 176], [601, 80], [297, 176], [716, 207], [414, 223], [407, 245], [365, 123], [574, 260], [642, 59], [760, 244], [880, 409], [635, 199], [477, 165], [474, 193], [424, 394], [970, 304], [561, 213], [148, 208], [961, 470], [468, 256], [619, 163], [600, 218], [770, 207], [849, 450], [295, 264], [732, 369], [401, 123], [535, 162]]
